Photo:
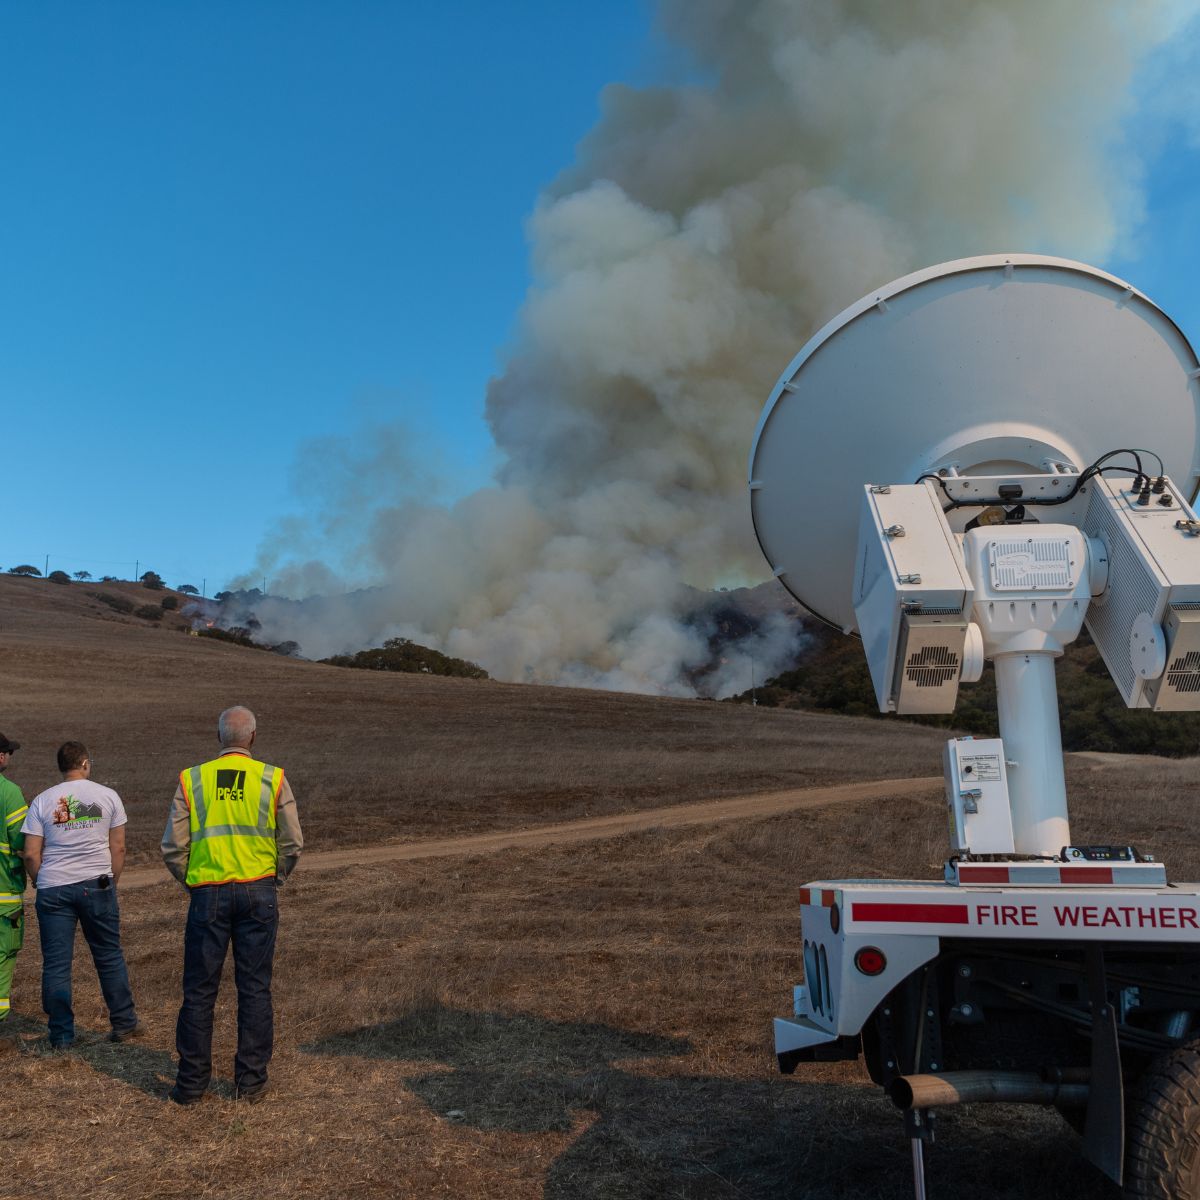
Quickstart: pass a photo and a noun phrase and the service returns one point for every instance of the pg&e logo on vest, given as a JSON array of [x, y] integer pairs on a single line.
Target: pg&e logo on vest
[[231, 787]]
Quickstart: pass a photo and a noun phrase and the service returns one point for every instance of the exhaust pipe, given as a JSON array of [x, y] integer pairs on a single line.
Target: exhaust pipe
[[983, 1087]]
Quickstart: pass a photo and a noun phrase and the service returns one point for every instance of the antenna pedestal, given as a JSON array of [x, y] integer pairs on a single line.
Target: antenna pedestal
[[1027, 700]]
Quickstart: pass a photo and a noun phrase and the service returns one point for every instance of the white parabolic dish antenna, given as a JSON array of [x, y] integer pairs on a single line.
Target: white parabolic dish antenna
[[1006, 363]]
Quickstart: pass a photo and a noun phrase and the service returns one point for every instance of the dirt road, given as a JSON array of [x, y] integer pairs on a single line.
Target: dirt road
[[590, 829]]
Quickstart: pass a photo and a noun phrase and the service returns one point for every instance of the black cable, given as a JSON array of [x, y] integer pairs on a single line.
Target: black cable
[[1137, 458], [1089, 472], [1140, 450], [939, 481]]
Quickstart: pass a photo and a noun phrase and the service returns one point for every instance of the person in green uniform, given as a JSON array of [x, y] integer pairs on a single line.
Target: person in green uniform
[[12, 881]]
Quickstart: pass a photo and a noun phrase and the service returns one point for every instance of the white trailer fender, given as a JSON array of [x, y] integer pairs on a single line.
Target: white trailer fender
[[837, 998]]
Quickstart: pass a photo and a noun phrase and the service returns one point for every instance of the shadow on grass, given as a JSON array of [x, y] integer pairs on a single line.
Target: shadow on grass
[[516, 1073], [698, 1137], [133, 1062]]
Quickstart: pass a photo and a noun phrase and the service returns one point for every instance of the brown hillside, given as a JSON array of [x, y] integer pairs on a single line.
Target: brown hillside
[[376, 755], [582, 1020]]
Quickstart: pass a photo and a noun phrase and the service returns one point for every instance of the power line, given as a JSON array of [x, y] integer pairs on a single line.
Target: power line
[[184, 573], [82, 560]]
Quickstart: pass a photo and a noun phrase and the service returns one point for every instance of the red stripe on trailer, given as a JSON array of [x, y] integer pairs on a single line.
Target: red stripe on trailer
[[805, 896], [983, 874], [827, 899], [930, 914], [1085, 874]]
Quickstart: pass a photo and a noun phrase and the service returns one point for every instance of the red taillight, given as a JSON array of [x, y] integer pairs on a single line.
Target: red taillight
[[870, 961], [835, 918]]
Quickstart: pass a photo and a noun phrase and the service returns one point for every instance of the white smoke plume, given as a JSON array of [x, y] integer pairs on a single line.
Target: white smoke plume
[[702, 234]]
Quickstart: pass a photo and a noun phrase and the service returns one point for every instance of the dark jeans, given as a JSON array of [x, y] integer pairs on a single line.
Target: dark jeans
[[248, 915], [59, 909]]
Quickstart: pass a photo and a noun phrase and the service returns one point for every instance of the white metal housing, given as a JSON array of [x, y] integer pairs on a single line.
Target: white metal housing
[[1144, 623], [911, 596], [977, 796]]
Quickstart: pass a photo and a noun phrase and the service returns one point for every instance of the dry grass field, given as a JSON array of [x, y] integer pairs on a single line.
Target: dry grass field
[[579, 1020], [376, 756]]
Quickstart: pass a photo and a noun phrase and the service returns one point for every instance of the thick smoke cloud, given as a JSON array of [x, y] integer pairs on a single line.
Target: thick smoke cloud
[[702, 234]]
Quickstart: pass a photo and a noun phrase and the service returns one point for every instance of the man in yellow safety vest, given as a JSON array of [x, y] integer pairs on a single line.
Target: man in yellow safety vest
[[232, 838]]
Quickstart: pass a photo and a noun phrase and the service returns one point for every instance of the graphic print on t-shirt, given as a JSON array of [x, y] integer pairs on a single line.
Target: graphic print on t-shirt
[[76, 818], [70, 811]]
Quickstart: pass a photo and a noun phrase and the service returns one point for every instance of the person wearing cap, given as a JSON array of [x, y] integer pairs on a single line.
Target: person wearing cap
[[75, 852], [232, 838], [12, 881]]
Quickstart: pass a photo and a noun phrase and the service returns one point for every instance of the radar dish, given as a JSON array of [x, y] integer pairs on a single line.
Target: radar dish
[[1004, 364]]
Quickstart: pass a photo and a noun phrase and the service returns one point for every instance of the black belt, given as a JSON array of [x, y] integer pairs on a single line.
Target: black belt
[[100, 883]]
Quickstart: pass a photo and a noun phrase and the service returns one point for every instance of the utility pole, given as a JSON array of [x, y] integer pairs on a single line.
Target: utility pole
[[204, 589], [47, 570], [264, 585], [137, 562], [753, 692]]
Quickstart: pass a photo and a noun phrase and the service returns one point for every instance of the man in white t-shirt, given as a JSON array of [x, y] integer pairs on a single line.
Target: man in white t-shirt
[[75, 852]]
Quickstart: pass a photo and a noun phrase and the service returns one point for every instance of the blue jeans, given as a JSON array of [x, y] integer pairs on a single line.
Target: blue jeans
[[59, 910], [246, 914]]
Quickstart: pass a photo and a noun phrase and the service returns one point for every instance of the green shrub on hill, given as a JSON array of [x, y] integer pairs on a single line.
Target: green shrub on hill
[[58, 577], [116, 603], [150, 612], [170, 603], [24, 569], [240, 635], [402, 654]]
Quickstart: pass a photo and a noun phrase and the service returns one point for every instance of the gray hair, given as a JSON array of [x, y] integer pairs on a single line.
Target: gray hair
[[235, 726]]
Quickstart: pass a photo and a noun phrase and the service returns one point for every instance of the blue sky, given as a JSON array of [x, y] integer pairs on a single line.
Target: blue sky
[[232, 228]]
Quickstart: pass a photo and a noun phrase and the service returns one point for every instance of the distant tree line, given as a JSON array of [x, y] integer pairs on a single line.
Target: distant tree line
[[148, 579], [833, 677]]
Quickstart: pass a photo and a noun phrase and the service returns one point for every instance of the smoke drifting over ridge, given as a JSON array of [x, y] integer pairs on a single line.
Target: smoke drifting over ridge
[[702, 234]]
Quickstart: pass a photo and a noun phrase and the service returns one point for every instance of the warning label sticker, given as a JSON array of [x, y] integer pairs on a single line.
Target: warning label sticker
[[980, 768]]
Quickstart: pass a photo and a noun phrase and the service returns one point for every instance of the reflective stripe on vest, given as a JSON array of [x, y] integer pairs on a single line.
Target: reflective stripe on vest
[[231, 813]]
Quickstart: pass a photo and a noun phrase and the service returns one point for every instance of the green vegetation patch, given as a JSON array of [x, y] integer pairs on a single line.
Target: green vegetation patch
[[240, 635], [402, 654], [116, 603]]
